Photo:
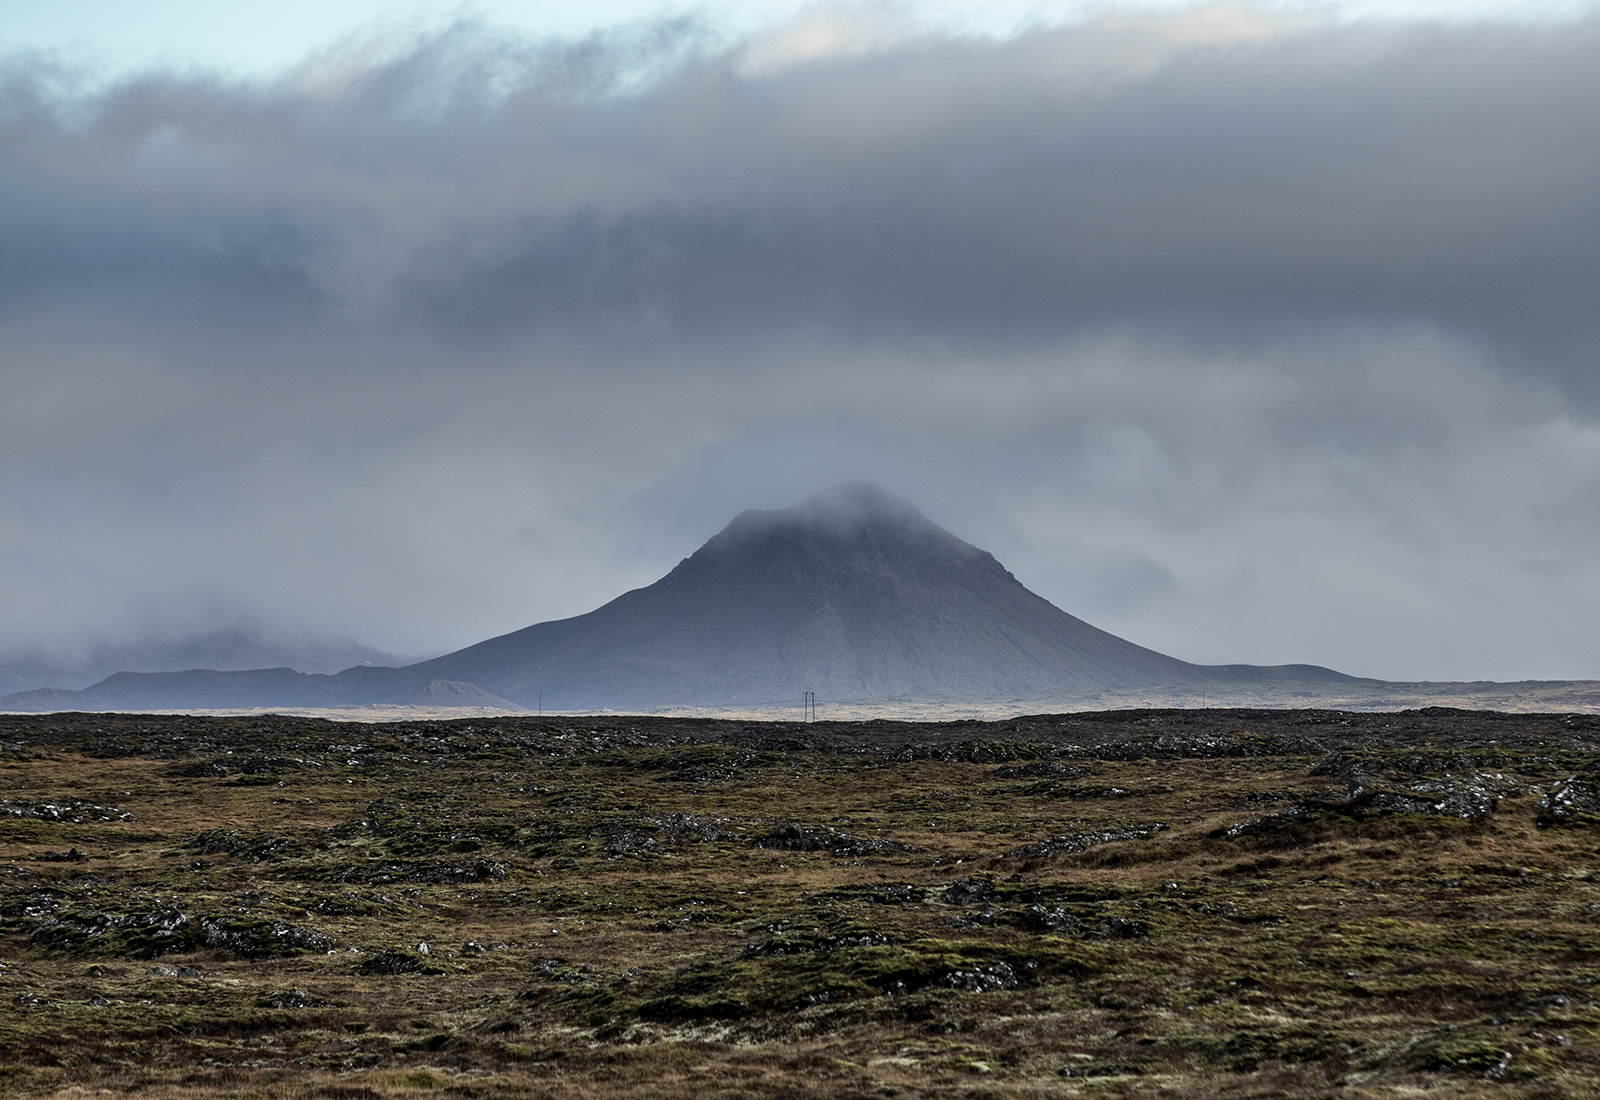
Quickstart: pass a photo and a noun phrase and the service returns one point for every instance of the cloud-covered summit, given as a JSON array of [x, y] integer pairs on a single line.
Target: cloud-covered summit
[[1249, 338]]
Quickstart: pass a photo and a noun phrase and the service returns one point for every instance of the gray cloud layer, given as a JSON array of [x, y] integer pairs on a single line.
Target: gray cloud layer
[[1250, 340]]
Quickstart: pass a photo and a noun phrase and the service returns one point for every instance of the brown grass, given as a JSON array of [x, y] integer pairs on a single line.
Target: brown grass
[[1359, 955]]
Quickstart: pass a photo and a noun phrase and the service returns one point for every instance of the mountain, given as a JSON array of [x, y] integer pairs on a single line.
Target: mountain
[[853, 594], [237, 647]]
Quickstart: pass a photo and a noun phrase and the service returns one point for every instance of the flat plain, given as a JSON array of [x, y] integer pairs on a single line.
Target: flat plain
[[1241, 903]]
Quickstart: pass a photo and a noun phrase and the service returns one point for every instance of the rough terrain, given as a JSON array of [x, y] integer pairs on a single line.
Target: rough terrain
[[1130, 903]]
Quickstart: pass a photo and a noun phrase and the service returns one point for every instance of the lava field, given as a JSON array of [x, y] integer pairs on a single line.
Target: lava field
[[1241, 903]]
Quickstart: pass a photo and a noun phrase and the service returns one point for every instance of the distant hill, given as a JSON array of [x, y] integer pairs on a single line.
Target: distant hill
[[236, 647], [853, 594]]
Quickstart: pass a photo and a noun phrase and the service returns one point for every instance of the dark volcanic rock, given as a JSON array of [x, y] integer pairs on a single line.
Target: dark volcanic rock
[[393, 962], [1570, 801], [62, 809], [381, 874], [253, 848], [1082, 842], [1471, 798], [1038, 769], [142, 934], [799, 838], [965, 891], [796, 838], [253, 939], [1038, 918]]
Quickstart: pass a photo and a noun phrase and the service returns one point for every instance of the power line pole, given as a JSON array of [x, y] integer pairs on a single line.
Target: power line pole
[[808, 704]]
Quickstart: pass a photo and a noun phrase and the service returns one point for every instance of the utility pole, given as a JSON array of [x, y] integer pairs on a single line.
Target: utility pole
[[808, 704]]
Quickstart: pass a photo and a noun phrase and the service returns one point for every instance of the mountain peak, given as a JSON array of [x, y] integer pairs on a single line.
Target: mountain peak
[[844, 509], [856, 502]]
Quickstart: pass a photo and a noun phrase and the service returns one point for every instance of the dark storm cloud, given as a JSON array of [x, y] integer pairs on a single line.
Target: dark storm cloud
[[984, 191], [1224, 330], [969, 189]]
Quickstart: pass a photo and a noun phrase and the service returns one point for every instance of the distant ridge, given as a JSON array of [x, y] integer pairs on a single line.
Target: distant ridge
[[853, 594], [246, 645]]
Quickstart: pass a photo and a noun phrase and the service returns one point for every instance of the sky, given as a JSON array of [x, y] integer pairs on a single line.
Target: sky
[[1263, 333], [258, 39]]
